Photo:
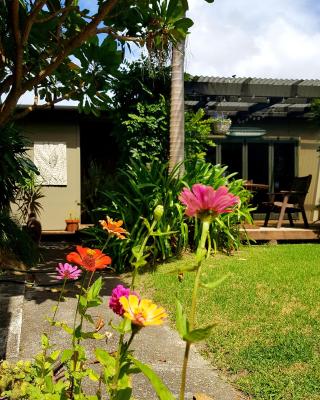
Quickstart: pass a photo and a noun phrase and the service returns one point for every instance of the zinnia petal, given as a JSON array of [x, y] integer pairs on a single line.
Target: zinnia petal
[[142, 312], [205, 202]]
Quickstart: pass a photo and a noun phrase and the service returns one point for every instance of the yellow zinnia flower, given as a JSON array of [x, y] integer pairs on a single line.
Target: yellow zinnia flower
[[142, 312]]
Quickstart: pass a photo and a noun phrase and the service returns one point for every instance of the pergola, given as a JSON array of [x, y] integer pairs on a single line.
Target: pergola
[[246, 99]]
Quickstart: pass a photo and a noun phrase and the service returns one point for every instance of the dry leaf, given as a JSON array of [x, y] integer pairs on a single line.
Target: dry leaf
[[202, 396]]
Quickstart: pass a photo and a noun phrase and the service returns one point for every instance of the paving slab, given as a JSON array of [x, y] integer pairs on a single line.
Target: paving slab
[[11, 304], [159, 347]]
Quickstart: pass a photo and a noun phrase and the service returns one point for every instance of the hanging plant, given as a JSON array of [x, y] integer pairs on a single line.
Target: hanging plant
[[221, 124]]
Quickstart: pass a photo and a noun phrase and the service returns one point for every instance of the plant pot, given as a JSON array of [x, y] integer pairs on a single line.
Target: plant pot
[[72, 225], [221, 127]]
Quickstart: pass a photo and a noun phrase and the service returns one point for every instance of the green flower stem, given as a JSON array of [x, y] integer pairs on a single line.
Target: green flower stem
[[184, 370], [134, 274], [77, 309], [192, 319], [75, 353], [200, 253], [59, 300], [106, 243], [117, 369], [122, 350], [81, 316], [55, 312]]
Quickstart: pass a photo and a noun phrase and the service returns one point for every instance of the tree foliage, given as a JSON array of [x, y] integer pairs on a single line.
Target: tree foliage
[[141, 126], [59, 50]]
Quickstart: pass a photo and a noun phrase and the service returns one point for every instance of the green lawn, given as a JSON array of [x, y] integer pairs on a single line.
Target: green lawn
[[267, 315]]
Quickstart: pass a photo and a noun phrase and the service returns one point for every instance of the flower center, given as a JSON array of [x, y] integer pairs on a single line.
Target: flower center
[[91, 252], [140, 319], [89, 261]]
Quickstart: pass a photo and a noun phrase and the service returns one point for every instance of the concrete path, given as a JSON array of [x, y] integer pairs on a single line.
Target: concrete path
[[159, 347]]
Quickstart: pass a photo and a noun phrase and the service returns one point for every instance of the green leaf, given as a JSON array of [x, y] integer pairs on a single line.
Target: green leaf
[[66, 355], [163, 233], [94, 290], [54, 355], [44, 341], [93, 375], [48, 383], [137, 251], [181, 320], [92, 335], [159, 387], [123, 327], [212, 285], [200, 254], [105, 358], [198, 334], [184, 23]]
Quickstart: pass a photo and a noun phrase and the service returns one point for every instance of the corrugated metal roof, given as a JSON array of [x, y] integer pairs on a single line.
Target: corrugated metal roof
[[271, 87]]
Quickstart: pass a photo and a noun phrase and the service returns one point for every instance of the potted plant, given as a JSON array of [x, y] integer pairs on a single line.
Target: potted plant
[[72, 224], [221, 124]]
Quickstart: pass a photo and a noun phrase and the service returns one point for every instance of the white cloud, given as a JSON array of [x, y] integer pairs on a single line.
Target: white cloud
[[277, 38]]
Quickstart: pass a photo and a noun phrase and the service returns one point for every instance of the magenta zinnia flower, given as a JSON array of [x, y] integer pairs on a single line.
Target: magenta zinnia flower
[[67, 271], [117, 292], [203, 201]]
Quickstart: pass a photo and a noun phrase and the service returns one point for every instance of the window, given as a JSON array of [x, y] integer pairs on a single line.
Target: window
[[262, 160]]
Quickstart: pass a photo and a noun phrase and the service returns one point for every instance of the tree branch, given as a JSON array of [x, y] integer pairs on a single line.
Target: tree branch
[[35, 106], [18, 62], [72, 44], [52, 16], [8, 106], [31, 19], [111, 32], [15, 22]]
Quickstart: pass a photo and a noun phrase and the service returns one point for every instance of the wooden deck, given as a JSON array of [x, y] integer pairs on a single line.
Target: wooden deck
[[64, 232], [258, 232], [56, 232], [254, 232]]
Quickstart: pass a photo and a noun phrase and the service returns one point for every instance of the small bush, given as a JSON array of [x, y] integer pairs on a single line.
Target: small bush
[[140, 188], [15, 242]]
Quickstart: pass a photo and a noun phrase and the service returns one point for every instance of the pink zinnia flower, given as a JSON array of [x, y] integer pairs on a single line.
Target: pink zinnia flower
[[203, 201], [67, 271], [117, 292]]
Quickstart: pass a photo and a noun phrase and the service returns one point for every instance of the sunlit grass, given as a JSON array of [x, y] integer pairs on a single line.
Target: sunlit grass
[[267, 316]]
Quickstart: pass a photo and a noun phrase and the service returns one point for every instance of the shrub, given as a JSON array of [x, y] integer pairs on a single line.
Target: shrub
[[15, 243], [15, 166], [141, 187]]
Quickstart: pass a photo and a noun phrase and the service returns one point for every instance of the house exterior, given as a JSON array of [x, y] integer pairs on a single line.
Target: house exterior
[[272, 139], [62, 197]]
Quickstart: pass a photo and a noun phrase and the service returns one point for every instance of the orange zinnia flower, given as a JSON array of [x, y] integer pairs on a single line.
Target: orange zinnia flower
[[89, 259], [114, 227]]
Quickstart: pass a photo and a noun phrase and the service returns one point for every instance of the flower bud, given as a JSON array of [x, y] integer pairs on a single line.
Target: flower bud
[[158, 212]]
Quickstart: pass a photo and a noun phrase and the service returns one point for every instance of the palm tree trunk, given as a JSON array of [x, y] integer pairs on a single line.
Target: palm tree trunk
[[177, 108]]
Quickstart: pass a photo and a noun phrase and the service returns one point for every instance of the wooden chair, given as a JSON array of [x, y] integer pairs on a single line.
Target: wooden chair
[[289, 201]]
